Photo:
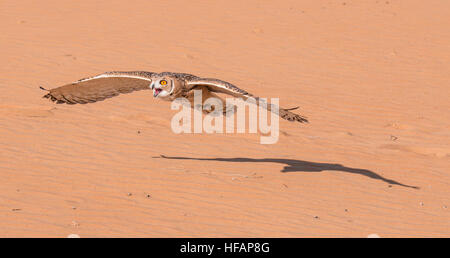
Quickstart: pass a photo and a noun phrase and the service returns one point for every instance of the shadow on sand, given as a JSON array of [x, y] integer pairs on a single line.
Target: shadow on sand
[[293, 165]]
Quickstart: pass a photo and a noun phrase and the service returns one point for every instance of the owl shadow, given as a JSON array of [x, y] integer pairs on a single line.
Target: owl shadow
[[293, 165]]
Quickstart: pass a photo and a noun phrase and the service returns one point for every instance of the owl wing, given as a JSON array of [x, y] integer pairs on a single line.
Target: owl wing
[[100, 87], [216, 85]]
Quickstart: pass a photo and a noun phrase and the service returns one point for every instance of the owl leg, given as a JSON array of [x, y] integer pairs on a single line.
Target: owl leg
[[207, 106], [210, 106]]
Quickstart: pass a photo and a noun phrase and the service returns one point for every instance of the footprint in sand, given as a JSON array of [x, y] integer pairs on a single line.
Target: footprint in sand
[[26, 111], [343, 134], [400, 126]]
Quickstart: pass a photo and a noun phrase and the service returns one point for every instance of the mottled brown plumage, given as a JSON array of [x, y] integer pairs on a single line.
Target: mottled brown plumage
[[100, 87]]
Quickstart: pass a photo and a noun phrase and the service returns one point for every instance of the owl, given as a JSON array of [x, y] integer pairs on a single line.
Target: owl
[[165, 86]]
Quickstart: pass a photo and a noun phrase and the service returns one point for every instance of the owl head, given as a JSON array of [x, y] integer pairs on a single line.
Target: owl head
[[162, 86]]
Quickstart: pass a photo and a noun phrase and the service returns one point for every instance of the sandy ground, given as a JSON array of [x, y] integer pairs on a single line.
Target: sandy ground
[[372, 76]]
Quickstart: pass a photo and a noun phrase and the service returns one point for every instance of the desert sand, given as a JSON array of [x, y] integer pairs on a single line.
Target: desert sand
[[372, 77]]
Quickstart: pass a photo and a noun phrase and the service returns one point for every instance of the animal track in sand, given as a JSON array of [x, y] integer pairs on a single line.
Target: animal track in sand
[[400, 126], [27, 111], [343, 134]]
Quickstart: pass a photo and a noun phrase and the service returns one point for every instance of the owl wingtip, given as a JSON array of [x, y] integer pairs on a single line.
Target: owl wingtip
[[294, 108]]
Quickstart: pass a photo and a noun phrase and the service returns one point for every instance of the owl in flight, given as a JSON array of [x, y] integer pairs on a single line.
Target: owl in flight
[[166, 86]]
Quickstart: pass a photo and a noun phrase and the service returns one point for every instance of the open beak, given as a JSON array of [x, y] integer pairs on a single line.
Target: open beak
[[156, 92]]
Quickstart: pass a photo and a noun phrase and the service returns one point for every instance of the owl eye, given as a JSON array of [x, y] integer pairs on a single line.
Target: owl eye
[[163, 82]]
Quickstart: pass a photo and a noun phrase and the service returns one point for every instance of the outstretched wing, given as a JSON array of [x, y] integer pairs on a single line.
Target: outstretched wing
[[100, 87], [220, 86], [216, 85]]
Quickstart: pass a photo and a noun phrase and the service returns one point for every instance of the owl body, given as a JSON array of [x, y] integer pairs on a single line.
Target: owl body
[[179, 83]]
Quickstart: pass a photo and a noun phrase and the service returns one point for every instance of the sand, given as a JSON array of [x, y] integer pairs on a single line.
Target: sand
[[372, 77]]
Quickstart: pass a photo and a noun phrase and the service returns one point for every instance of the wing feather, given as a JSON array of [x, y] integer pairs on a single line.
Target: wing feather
[[100, 87], [216, 85]]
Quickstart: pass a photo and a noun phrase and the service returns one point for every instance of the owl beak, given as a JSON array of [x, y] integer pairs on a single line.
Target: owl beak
[[156, 92]]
